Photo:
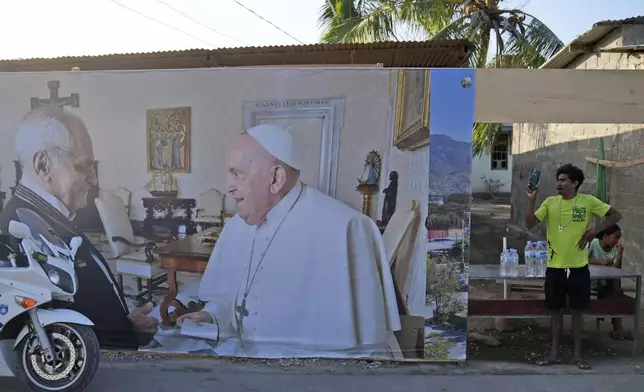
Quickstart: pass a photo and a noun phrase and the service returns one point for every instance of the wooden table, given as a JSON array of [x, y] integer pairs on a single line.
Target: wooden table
[[622, 306], [186, 255]]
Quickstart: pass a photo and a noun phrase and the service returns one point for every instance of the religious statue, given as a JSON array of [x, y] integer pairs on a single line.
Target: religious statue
[[391, 193], [368, 183], [372, 167]]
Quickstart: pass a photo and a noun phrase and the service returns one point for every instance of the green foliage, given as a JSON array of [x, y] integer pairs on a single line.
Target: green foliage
[[459, 198], [443, 283], [446, 215], [520, 40], [437, 348], [459, 248]]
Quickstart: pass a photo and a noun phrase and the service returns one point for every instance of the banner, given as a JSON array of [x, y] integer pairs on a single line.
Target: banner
[[241, 212], [448, 219]]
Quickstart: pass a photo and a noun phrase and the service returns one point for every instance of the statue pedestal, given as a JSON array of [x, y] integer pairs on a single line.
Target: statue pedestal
[[367, 191]]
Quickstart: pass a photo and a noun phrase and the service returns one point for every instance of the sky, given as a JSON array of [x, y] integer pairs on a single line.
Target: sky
[[54, 28], [453, 114]]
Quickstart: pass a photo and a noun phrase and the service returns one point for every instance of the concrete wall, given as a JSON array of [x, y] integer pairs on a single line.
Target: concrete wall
[[481, 165], [549, 146]]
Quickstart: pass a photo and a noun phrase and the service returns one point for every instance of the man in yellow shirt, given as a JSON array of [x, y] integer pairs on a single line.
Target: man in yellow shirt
[[568, 217]]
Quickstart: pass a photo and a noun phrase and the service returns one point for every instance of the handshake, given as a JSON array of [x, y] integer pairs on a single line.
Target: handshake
[[196, 317], [146, 327]]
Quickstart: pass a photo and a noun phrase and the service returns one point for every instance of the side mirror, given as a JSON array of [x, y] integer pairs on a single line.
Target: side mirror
[[75, 244], [19, 230]]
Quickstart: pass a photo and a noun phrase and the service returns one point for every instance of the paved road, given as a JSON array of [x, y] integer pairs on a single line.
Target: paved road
[[159, 381], [142, 374]]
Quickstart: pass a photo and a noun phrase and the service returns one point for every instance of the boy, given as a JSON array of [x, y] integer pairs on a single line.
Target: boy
[[606, 250]]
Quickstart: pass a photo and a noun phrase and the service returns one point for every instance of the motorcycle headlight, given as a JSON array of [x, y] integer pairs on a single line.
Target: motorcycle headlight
[[59, 278]]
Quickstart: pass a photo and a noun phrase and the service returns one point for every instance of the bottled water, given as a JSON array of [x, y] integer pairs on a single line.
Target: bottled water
[[514, 263], [504, 265], [181, 232], [542, 258], [530, 254]]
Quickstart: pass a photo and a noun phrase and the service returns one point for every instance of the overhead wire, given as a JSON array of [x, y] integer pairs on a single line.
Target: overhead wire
[[268, 21], [199, 23], [162, 23]]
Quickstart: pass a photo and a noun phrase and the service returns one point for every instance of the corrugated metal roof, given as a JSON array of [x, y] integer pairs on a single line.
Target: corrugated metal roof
[[433, 53], [599, 30]]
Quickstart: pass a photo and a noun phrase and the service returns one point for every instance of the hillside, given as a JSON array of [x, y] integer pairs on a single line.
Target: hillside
[[450, 165]]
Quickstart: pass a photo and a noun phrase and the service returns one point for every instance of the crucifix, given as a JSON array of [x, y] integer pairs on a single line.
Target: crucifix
[[54, 100]]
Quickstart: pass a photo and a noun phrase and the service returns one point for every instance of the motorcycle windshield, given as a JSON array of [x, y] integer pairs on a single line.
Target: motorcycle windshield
[[40, 229]]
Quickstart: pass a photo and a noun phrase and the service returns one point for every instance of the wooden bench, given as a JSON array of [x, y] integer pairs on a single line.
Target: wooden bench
[[619, 306], [535, 308]]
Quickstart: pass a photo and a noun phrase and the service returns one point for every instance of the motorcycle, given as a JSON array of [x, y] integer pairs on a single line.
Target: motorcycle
[[55, 349]]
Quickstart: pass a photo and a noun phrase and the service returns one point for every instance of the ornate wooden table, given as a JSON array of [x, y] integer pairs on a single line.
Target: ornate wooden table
[[169, 212], [186, 255]]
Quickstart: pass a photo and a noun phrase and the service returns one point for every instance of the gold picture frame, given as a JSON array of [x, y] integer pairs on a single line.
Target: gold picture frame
[[411, 123], [168, 134]]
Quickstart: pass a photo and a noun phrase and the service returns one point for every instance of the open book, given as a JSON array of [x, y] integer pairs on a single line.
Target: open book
[[200, 330]]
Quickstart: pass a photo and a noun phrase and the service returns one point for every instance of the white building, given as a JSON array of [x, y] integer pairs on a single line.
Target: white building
[[495, 166]]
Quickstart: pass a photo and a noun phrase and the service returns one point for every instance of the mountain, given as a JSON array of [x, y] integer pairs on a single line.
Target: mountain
[[450, 166]]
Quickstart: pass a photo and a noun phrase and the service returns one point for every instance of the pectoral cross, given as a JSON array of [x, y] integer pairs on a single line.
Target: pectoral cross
[[54, 100], [243, 312]]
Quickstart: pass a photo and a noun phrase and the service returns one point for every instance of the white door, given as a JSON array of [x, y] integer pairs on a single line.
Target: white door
[[316, 125]]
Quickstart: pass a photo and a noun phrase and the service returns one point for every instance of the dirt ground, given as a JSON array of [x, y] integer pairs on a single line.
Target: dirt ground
[[523, 340]]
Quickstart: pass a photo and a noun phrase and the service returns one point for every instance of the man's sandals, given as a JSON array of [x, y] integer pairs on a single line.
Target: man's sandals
[[583, 365], [549, 362]]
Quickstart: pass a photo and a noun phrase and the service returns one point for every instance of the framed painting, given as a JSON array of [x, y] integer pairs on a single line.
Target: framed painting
[[411, 122], [168, 140]]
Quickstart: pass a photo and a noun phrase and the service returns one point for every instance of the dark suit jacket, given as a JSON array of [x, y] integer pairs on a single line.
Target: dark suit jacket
[[99, 296]]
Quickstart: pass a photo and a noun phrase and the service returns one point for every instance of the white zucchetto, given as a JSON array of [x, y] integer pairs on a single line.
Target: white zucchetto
[[277, 140]]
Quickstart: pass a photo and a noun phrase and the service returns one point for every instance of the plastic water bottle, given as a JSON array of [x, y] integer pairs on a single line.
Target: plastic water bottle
[[514, 262], [537, 258], [530, 259], [504, 266], [181, 232], [542, 258]]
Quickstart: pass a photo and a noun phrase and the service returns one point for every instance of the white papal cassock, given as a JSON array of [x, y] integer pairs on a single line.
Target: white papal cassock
[[323, 289]]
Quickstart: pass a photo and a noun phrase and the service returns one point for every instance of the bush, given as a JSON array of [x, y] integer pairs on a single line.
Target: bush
[[437, 348], [443, 284]]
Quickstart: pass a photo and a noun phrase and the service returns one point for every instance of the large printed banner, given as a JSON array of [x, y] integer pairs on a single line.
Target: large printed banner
[[240, 212]]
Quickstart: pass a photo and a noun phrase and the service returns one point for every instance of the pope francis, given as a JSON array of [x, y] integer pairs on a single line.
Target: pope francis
[[295, 273]]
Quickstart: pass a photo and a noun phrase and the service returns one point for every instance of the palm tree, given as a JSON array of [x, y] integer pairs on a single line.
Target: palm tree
[[519, 39]]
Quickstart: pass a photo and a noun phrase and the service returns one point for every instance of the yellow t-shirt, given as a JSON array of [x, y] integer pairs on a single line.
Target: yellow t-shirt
[[574, 216]]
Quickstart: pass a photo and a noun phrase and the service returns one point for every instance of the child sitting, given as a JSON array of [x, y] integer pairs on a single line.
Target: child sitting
[[606, 250]]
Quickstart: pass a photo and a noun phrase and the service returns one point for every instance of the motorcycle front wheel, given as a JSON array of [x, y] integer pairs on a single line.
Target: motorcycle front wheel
[[76, 352]]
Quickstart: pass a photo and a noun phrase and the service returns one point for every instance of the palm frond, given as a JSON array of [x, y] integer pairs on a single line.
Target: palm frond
[[462, 28], [535, 45], [430, 16], [506, 61], [372, 21], [484, 136]]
